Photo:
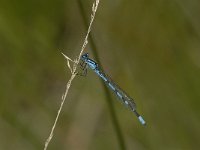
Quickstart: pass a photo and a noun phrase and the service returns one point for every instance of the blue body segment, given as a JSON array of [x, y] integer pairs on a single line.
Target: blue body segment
[[123, 97]]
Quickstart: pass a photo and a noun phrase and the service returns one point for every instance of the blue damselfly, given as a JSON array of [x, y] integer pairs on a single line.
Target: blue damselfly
[[123, 97]]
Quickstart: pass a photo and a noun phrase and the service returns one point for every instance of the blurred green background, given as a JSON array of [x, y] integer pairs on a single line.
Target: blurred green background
[[151, 48]]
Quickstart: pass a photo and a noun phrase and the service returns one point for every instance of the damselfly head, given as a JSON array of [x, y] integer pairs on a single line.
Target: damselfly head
[[85, 56]]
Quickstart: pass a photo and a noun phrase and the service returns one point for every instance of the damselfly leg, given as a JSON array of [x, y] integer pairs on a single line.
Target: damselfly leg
[[82, 69]]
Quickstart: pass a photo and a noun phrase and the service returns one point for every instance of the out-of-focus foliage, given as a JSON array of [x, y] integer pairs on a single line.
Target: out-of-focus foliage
[[150, 48]]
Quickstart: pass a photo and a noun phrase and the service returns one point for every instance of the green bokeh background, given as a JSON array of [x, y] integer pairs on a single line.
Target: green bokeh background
[[151, 48]]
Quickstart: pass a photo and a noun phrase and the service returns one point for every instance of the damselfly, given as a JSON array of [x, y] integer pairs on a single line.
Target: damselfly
[[123, 97]]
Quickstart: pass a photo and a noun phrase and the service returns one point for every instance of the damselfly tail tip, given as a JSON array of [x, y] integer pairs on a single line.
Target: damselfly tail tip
[[139, 118], [142, 121]]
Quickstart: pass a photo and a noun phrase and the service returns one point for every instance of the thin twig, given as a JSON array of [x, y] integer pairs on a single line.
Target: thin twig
[[94, 9]]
